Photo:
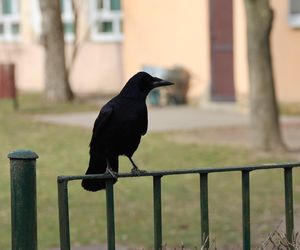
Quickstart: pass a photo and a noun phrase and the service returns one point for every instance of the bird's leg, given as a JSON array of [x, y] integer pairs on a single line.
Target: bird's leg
[[110, 171], [135, 169]]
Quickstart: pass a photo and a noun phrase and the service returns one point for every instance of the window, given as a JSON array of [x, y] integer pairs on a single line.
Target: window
[[106, 20], [294, 13], [9, 20], [67, 17]]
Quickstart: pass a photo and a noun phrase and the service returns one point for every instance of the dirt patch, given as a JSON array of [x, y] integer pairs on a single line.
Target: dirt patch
[[235, 135], [239, 136]]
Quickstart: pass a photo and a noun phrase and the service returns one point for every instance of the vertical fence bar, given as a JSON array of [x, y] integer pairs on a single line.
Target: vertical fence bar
[[204, 211], [246, 210], [289, 211], [110, 213], [157, 212], [23, 199], [63, 212]]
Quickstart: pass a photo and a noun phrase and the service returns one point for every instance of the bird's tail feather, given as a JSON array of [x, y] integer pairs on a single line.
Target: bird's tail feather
[[98, 165]]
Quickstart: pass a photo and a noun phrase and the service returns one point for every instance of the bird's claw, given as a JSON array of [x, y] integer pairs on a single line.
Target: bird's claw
[[111, 173], [137, 171]]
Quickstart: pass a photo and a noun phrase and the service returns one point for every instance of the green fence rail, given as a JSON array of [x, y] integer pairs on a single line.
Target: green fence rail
[[204, 196], [23, 201]]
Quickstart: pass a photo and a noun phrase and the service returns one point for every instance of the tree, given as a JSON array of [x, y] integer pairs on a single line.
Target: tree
[[57, 87], [263, 105], [77, 8]]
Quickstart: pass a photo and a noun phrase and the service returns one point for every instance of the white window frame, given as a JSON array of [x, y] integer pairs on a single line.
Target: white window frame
[[36, 17], [67, 16], [7, 20], [293, 18], [106, 14]]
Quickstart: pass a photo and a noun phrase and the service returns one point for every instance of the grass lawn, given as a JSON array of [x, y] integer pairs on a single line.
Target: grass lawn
[[64, 150]]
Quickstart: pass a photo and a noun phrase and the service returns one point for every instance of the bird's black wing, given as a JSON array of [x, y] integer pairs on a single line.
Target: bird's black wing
[[144, 121], [101, 121], [98, 159]]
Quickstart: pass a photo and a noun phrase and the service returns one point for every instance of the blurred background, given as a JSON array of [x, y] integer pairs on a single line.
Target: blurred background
[[236, 102], [205, 39]]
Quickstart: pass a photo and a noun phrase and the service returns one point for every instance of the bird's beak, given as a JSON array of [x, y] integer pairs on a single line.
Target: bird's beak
[[160, 83]]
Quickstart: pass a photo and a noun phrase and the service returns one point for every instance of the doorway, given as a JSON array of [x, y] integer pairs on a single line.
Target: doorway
[[221, 52]]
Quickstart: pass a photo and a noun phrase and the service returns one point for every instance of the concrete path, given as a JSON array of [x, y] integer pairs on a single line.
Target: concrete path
[[166, 118]]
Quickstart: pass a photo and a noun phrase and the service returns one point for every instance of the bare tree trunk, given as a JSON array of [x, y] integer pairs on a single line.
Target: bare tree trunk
[[57, 87], [264, 111]]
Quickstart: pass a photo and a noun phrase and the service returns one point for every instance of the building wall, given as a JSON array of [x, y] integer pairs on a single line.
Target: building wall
[[285, 51], [98, 67], [286, 54], [241, 76], [167, 33], [181, 36], [164, 34]]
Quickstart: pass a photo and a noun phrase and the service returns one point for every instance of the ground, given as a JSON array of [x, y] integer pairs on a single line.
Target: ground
[[185, 135], [194, 125], [238, 136], [199, 127]]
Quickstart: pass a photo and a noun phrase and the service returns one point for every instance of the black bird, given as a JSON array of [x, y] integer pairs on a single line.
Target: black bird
[[119, 127]]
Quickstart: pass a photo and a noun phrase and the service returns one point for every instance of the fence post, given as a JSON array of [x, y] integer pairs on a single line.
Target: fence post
[[110, 214], [157, 212], [204, 211], [63, 213], [23, 199], [246, 209], [289, 210]]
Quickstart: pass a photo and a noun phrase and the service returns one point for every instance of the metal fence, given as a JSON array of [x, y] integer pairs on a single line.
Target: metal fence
[[203, 202], [23, 166]]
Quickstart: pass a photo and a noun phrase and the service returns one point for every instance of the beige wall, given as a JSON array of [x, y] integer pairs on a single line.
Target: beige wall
[[173, 32], [240, 53], [164, 34], [285, 43], [98, 68], [167, 33], [286, 54]]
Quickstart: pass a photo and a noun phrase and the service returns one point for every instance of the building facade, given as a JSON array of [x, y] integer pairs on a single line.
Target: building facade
[[118, 38]]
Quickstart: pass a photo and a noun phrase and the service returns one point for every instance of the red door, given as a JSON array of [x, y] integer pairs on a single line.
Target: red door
[[221, 38]]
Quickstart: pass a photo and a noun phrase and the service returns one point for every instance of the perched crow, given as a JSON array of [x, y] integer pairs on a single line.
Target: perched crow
[[119, 127]]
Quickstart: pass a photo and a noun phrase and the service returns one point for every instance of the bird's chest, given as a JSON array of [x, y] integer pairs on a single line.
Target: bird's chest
[[130, 126], [132, 116]]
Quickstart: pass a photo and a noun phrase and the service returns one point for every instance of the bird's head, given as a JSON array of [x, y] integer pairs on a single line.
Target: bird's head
[[139, 85]]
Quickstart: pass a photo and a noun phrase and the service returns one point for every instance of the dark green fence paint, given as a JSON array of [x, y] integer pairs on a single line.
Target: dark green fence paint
[[157, 212], [63, 212], [204, 210], [24, 212], [289, 211], [246, 210], [204, 214], [23, 200], [110, 214]]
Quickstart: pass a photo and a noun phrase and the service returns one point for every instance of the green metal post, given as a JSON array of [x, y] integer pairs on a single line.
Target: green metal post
[[23, 199], [63, 211], [204, 211], [246, 210], [157, 212], [110, 213], [289, 212]]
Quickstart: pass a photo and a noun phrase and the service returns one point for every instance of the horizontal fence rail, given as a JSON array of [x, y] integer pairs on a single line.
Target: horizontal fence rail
[[157, 207]]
